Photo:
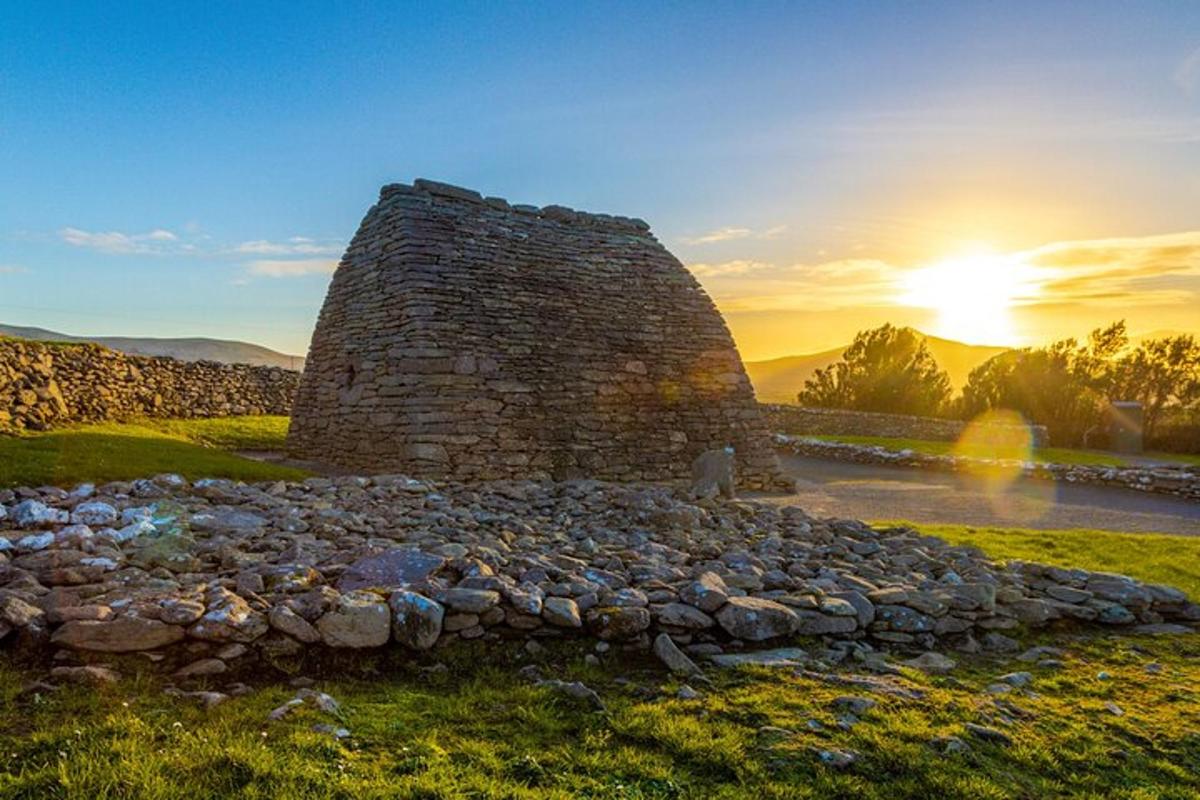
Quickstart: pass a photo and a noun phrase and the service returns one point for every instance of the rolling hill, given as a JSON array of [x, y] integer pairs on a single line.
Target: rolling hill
[[185, 349], [780, 379]]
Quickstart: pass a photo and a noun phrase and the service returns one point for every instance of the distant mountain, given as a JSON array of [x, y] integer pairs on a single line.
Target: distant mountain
[[779, 380], [189, 349]]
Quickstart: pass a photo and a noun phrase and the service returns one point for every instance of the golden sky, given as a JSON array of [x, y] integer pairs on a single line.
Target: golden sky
[[975, 294]]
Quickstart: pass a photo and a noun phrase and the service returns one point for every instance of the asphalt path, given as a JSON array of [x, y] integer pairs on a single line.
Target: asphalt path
[[876, 492]]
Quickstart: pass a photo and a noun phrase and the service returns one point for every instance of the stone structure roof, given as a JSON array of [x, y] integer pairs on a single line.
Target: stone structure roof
[[467, 338]]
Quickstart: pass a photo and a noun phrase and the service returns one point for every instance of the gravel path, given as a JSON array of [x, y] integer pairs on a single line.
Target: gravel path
[[860, 491]]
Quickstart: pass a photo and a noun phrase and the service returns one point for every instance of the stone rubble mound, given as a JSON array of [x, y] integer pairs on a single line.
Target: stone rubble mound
[[215, 573]]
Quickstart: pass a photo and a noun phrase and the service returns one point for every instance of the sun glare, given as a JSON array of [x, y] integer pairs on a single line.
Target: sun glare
[[973, 296]]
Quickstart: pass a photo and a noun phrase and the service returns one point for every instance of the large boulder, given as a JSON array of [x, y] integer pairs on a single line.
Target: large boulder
[[390, 570], [755, 619], [120, 635]]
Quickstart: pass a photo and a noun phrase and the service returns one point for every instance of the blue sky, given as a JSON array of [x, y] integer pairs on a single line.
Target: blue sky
[[192, 169]]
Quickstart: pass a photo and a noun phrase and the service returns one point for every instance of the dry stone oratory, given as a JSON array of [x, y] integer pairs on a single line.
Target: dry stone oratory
[[466, 338]]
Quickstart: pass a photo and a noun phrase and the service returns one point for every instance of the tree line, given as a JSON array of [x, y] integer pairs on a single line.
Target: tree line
[[1065, 386]]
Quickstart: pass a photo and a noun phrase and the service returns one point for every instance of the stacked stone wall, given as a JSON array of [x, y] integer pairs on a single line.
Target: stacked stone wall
[[803, 420], [1180, 481], [47, 385], [468, 338]]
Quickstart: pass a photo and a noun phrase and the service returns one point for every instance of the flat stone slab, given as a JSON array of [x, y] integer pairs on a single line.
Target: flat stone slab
[[390, 570], [781, 657]]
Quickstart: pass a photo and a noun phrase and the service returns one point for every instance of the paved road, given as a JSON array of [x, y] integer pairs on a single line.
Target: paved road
[[864, 491]]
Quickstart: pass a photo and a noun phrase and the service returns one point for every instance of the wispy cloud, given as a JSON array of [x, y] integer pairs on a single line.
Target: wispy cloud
[[292, 268], [158, 240], [1144, 270], [1187, 74], [731, 233], [12, 269], [1131, 271], [760, 286], [287, 258], [296, 245]]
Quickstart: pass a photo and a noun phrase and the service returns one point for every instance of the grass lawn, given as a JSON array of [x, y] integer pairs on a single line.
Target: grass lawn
[[119, 451], [476, 730], [1150, 557], [1050, 455]]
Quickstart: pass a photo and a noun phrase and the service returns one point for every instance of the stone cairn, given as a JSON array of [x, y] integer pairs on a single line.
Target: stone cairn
[[215, 575], [46, 385], [463, 337]]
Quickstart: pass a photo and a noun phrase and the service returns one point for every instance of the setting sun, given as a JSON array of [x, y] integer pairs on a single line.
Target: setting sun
[[973, 296]]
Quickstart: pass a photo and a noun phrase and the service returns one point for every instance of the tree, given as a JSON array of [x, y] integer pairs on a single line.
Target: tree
[[1159, 373], [887, 369], [1053, 386]]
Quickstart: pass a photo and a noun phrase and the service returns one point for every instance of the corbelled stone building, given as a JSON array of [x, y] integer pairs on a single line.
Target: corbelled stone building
[[468, 338]]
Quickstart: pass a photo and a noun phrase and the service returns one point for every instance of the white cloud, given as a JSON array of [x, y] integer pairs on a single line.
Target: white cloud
[[11, 269], [117, 242], [1187, 74], [295, 246], [728, 234], [296, 255], [283, 268]]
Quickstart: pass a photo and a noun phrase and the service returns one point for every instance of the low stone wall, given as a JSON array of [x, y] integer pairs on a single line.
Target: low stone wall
[[804, 420], [1179, 481], [217, 575], [45, 385]]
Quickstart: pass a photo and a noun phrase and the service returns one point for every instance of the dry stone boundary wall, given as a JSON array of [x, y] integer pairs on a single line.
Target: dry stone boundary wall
[[804, 420], [47, 385], [1178, 481]]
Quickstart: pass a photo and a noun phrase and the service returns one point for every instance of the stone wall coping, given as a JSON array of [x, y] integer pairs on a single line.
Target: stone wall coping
[[438, 191]]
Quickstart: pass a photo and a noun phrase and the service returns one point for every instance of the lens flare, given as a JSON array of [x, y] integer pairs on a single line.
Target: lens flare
[[998, 445]]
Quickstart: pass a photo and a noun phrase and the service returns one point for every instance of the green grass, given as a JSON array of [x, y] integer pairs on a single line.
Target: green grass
[[1048, 455], [120, 451], [478, 731], [1150, 557]]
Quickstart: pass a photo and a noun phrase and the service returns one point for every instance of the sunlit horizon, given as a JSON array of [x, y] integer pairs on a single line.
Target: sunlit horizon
[[975, 294]]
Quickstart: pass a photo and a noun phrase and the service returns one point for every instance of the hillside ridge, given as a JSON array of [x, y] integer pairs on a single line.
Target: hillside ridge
[[190, 348]]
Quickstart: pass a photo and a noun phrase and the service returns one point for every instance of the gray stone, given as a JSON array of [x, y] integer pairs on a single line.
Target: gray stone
[[673, 657], [561, 612], [120, 635], [755, 619], [416, 620], [283, 619], [617, 622], [469, 601], [393, 569], [358, 619], [933, 663], [780, 657], [681, 615], [707, 592]]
